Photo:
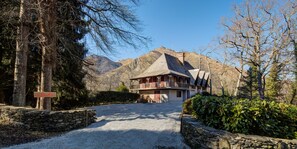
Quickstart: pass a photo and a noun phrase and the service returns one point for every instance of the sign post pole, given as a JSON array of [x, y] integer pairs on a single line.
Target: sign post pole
[[49, 95]]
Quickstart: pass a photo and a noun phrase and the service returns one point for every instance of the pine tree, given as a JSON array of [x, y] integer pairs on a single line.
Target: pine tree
[[55, 45], [273, 83], [249, 87], [7, 46], [68, 79]]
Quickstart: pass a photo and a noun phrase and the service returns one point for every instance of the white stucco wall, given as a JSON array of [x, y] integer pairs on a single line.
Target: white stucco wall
[[165, 95], [193, 92], [172, 95]]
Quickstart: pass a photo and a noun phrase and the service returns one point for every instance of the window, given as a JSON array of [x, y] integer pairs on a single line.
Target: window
[[178, 93]]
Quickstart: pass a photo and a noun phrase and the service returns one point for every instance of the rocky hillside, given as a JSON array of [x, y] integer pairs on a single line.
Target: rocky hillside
[[99, 65], [221, 75]]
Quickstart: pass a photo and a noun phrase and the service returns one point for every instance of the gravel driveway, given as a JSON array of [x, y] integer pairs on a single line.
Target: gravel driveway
[[124, 126]]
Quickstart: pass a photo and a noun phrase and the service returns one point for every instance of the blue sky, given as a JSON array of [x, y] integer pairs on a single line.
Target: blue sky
[[181, 25]]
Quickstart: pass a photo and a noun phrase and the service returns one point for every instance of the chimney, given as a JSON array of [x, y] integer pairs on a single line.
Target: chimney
[[181, 57]]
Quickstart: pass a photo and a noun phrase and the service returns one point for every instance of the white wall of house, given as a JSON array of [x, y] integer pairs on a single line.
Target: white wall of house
[[193, 92], [165, 95], [173, 97]]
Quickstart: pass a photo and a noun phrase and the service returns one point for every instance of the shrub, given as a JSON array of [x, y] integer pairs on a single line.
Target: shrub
[[259, 117], [205, 93], [113, 97], [187, 107], [66, 101], [122, 88]]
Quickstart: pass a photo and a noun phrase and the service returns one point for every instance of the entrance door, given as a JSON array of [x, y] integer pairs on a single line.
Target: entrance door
[[157, 96]]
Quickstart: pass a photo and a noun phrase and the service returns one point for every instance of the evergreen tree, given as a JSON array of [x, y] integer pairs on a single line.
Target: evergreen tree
[[107, 21], [7, 45], [273, 83], [68, 78], [249, 87], [71, 51]]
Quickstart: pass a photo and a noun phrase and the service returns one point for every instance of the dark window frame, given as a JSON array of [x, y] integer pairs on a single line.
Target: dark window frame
[[178, 94]]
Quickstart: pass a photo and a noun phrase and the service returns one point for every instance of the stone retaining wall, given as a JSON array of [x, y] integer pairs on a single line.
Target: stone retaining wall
[[50, 121], [197, 135]]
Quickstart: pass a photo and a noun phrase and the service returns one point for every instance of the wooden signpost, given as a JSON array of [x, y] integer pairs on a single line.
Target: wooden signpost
[[45, 94]]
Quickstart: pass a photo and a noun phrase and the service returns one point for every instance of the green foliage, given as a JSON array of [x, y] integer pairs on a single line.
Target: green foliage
[[249, 89], [68, 73], [68, 79], [205, 93], [7, 46], [122, 88], [273, 83], [188, 107], [258, 117], [291, 97], [113, 97]]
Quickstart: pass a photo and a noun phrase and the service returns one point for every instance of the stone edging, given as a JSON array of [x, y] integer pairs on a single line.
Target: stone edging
[[197, 135], [49, 121]]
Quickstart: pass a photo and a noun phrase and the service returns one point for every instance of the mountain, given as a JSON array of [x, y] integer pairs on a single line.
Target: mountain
[[126, 61], [99, 64], [222, 76]]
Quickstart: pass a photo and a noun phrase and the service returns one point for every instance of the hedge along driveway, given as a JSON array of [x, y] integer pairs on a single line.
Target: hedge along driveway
[[123, 126]]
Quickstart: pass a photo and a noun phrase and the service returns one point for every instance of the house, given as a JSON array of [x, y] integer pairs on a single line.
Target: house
[[169, 78]]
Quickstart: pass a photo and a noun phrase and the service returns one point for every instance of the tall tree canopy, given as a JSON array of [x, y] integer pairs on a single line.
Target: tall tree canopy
[[55, 44], [258, 33]]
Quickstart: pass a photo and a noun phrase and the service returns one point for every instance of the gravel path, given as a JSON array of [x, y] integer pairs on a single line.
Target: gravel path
[[122, 126]]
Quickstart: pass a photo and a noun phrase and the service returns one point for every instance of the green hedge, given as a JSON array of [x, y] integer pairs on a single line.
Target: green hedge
[[258, 117], [113, 97], [187, 107]]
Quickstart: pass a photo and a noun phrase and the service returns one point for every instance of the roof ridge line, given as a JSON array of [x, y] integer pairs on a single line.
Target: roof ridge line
[[165, 54]]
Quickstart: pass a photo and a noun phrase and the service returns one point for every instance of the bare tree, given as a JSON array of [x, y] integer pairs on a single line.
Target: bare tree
[[20, 71], [256, 33], [289, 12], [112, 22], [240, 71]]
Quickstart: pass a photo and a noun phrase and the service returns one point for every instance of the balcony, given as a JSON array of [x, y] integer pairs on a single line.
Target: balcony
[[160, 85]]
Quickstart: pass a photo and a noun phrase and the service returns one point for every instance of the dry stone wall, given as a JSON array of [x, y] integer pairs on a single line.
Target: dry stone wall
[[199, 136], [50, 121]]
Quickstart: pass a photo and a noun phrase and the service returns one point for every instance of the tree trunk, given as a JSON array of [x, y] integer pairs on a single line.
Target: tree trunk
[[46, 79], [260, 85], [48, 41], [238, 84], [209, 70], [294, 86], [222, 85], [20, 69]]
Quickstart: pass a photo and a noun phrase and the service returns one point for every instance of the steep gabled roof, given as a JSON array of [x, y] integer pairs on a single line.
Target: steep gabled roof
[[194, 74], [205, 79], [167, 64], [200, 77], [164, 65]]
